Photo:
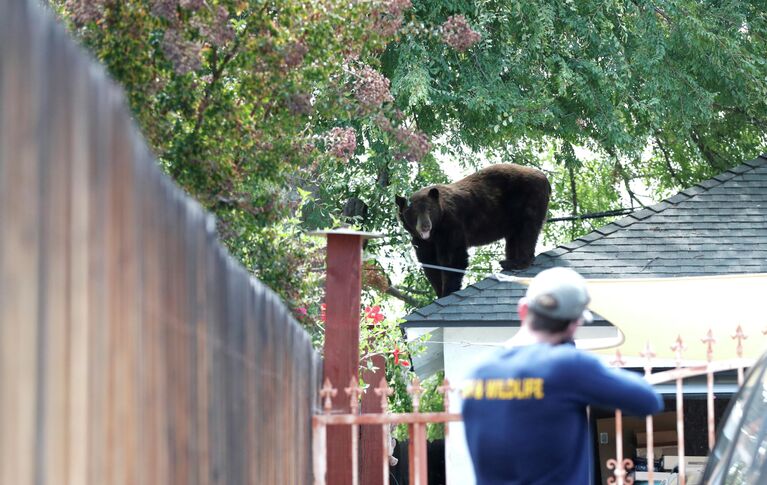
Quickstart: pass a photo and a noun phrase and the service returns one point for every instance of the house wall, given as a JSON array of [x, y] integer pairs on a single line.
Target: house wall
[[463, 349]]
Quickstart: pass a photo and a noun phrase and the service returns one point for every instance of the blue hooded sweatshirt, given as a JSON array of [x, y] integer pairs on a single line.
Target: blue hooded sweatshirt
[[525, 413]]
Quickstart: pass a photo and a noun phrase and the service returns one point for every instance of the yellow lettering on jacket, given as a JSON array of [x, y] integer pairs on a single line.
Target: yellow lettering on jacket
[[504, 389]]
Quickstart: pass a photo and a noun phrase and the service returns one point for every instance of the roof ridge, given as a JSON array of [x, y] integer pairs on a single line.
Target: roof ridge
[[647, 211]]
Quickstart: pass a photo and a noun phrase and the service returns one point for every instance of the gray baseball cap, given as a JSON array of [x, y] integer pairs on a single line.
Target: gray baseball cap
[[559, 293]]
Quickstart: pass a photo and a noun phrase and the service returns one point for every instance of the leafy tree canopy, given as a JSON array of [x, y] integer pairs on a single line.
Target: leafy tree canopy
[[282, 116]]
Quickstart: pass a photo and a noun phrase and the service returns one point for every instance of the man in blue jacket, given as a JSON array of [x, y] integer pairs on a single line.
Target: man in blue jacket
[[525, 408]]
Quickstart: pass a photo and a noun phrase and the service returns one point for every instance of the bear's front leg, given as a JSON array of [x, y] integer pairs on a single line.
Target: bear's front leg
[[427, 254], [455, 258]]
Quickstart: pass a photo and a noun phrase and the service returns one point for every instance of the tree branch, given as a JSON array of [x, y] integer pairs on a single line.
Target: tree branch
[[573, 197], [398, 293], [712, 157], [657, 10], [627, 182], [218, 69], [667, 158]]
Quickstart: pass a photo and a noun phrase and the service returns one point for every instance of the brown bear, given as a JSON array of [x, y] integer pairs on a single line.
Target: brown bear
[[501, 201]]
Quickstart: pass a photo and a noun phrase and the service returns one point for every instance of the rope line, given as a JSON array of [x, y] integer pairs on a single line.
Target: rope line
[[497, 276]]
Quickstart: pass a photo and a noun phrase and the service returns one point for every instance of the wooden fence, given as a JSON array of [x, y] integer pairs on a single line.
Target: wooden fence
[[133, 349]]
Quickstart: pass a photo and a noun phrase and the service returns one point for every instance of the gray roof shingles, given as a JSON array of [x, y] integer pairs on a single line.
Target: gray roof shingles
[[719, 226]]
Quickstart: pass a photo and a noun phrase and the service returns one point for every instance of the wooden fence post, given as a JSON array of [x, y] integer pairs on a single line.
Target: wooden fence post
[[342, 338]]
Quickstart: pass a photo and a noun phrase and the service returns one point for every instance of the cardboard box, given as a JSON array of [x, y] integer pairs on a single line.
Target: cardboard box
[[660, 478], [641, 452], [669, 450], [692, 463], [660, 438], [658, 451]]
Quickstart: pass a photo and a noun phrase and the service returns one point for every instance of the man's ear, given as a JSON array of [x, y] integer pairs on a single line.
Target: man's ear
[[401, 202], [572, 328], [434, 193], [522, 308]]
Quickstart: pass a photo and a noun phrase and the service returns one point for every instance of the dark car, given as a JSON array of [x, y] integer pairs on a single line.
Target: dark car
[[740, 454]]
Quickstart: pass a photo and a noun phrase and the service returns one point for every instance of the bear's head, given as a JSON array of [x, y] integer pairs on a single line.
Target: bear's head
[[422, 214]]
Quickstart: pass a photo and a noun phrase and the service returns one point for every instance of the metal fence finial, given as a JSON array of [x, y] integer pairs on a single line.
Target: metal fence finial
[[678, 347], [353, 391], [326, 393], [445, 389], [709, 341], [384, 391], [415, 390], [649, 355], [740, 337], [618, 360]]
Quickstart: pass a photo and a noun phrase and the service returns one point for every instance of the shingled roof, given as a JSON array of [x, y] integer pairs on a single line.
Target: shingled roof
[[718, 226]]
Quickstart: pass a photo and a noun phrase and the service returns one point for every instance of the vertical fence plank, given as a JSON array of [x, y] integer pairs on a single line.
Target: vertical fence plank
[[78, 367], [19, 205], [122, 231], [99, 135], [55, 178], [204, 350]]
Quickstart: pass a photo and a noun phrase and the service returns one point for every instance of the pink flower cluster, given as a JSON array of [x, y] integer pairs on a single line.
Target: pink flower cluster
[[220, 31], [303, 313], [191, 4], [294, 54], [183, 54], [458, 34], [84, 11], [167, 9], [415, 144], [342, 142], [371, 88], [300, 104], [389, 16]]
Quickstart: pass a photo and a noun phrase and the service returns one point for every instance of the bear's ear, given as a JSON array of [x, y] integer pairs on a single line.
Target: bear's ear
[[434, 193], [401, 202]]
